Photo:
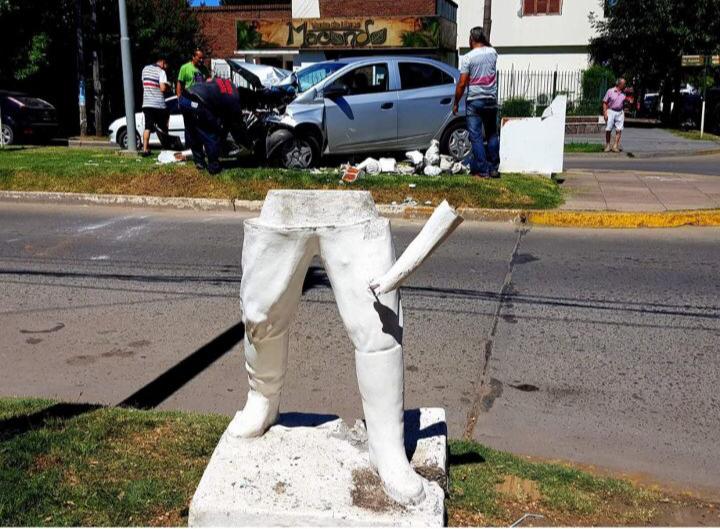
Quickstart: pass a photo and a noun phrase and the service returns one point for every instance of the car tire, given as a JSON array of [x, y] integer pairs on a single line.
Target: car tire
[[8, 135], [122, 139], [456, 141], [299, 152]]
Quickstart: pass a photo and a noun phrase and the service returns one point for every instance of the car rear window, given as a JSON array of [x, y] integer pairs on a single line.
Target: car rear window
[[420, 75]]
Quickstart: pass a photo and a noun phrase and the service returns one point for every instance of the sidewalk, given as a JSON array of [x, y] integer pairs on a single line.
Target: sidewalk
[[649, 142], [639, 191]]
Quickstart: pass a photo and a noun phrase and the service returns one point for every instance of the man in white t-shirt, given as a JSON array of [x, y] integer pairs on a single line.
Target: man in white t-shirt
[[155, 84], [478, 76]]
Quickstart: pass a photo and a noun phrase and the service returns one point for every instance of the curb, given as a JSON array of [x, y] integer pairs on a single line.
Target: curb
[[552, 218], [621, 219], [638, 155]]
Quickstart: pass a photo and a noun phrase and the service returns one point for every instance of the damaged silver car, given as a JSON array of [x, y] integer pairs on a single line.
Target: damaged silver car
[[354, 105]]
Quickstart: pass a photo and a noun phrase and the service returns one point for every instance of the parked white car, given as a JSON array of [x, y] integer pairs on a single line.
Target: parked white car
[[118, 128]]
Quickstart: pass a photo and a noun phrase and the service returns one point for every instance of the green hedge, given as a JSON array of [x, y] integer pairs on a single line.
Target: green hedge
[[517, 107]]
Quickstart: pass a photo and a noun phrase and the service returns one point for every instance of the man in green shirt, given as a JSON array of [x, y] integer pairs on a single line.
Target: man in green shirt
[[192, 72]]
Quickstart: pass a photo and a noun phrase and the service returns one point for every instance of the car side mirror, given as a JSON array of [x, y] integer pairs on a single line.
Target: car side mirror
[[336, 90]]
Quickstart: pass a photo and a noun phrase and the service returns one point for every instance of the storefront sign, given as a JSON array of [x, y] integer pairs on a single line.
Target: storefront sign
[[347, 33]]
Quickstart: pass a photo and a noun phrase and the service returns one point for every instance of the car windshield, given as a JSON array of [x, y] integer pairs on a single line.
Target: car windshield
[[316, 73]]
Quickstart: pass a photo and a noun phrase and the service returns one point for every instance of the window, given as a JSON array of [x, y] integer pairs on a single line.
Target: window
[[371, 79], [542, 7], [419, 75], [316, 73]]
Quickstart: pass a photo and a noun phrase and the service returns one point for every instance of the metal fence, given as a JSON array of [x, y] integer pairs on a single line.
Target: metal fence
[[541, 87]]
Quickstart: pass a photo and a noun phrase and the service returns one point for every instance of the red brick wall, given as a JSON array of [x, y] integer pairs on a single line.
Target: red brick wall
[[219, 23], [376, 8]]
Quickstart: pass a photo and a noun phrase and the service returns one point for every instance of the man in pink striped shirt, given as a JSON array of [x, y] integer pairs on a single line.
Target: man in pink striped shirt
[[478, 75]]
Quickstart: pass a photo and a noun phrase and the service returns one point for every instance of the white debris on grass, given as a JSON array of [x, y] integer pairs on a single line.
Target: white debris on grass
[[370, 166], [166, 157], [432, 170], [446, 162], [387, 165], [416, 157], [432, 155]]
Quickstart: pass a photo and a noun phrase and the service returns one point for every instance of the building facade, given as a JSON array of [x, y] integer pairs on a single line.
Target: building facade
[[293, 33], [537, 35]]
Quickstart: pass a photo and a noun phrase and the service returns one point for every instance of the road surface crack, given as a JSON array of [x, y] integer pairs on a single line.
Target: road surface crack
[[488, 389]]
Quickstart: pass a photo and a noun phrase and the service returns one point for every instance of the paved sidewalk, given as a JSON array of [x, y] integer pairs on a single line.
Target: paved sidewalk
[[641, 141], [639, 191]]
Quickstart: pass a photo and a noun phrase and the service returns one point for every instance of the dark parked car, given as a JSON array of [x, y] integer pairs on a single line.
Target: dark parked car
[[26, 117]]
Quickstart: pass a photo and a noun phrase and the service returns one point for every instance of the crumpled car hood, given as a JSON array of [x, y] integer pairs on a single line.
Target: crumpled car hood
[[258, 75]]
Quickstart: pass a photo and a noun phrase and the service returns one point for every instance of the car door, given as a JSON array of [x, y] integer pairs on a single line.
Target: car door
[[424, 103], [365, 119]]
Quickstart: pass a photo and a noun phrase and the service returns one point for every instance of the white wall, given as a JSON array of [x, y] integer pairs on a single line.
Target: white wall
[[545, 42], [543, 61]]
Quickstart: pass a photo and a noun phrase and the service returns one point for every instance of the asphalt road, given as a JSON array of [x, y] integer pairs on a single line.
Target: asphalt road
[[595, 346], [698, 164]]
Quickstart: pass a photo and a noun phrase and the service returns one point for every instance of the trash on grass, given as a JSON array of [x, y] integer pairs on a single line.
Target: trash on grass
[[350, 173], [412, 185], [405, 168], [460, 167]]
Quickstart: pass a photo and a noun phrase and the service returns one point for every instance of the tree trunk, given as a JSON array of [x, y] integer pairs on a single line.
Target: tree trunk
[[80, 68], [487, 18], [97, 82]]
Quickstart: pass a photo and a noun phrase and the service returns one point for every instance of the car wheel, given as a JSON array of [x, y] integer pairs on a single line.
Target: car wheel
[[122, 140], [456, 141], [8, 136], [298, 153]]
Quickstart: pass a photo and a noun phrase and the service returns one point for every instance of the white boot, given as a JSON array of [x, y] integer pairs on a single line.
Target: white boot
[[380, 377], [266, 363]]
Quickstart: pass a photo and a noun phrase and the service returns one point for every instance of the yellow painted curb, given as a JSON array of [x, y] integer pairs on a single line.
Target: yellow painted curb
[[618, 219]]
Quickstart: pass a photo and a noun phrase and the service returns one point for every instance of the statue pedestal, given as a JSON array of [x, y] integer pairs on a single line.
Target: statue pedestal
[[314, 470]]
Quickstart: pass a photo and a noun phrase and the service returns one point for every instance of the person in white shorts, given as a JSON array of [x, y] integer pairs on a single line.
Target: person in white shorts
[[614, 114]]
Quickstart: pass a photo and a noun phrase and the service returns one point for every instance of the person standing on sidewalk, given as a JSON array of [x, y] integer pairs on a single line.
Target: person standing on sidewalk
[[478, 76], [155, 84], [614, 114]]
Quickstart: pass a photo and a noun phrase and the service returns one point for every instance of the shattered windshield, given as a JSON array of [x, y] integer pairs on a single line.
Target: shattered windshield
[[312, 75]]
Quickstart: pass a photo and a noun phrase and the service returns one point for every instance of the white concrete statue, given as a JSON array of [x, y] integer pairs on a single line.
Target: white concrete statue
[[355, 245]]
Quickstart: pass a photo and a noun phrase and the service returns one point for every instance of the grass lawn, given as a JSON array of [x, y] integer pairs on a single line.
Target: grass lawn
[[93, 171], [571, 148], [64, 464], [695, 135]]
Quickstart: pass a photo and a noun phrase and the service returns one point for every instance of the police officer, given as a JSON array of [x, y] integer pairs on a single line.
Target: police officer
[[211, 110]]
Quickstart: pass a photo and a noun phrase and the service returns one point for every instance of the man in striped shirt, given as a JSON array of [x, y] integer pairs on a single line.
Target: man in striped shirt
[[478, 76], [155, 84]]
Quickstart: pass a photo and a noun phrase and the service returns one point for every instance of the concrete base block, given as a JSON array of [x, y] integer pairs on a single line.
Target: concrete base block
[[314, 470]]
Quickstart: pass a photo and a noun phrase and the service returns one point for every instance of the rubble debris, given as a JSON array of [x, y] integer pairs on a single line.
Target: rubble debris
[[412, 185], [446, 162], [460, 167], [370, 166], [350, 173], [387, 165], [405, 168], [416, 157], [174, 156], [432, 155], [432, 170]]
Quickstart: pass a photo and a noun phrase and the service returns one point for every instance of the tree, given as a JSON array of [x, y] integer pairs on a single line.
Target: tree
[[643, 40], [487, 18]]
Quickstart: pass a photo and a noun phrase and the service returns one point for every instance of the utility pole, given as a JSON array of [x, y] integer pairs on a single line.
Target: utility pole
[[97, 83], [80, 68], [487, 18], [127, 78]]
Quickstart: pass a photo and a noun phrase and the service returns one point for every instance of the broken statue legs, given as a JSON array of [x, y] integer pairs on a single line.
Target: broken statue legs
[[266, 363], [380, 377]]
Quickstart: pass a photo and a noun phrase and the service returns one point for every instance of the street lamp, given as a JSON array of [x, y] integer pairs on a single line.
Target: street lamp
[[131, 131]]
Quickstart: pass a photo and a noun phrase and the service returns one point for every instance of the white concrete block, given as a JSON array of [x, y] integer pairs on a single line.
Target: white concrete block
[[314, 470], [535, 145]]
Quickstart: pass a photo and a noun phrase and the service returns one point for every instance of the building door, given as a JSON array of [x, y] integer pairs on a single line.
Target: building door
[[366, 118]]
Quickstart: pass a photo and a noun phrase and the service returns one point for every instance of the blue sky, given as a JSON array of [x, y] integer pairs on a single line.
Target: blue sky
[[206, 2]]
